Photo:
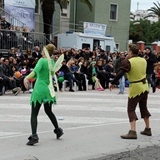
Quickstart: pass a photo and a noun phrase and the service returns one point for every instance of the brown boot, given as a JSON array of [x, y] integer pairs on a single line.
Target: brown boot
[[147, 132], [131, 135]]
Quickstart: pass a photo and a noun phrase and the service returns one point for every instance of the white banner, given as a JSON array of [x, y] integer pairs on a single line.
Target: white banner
[[94, 28], [25, 15], [20, 3]]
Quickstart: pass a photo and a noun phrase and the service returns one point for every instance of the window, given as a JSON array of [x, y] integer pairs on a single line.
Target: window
[[108, 48], [64, 5], [37, 6], [65, 9], [113, 12], [96, 43], [64, 14], [117, 46]]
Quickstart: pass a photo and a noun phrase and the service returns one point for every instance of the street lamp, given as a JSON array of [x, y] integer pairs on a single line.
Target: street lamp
[[75, 13]]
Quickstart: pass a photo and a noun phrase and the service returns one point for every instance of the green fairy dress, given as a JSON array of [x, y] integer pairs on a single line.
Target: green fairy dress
[[41, 91], [43, 72]]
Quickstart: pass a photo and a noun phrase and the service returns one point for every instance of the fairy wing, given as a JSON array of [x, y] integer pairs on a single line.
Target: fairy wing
[[58, 63]]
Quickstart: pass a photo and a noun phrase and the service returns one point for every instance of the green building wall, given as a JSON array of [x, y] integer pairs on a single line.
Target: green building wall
[[101, 14], [56, 19]]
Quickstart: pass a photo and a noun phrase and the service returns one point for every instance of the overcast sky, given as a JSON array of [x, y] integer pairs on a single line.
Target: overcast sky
[[143, 4]]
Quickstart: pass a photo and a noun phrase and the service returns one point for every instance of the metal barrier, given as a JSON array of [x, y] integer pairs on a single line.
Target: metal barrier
[[11, 38]]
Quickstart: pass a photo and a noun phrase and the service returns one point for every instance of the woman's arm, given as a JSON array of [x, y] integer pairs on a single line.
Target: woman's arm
[[26, 79], [31, 75]]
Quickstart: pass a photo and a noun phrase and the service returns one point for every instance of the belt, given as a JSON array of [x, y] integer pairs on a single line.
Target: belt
[[142, 80]]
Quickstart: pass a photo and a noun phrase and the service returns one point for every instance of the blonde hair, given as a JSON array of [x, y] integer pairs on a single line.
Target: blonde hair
[[50, 48]]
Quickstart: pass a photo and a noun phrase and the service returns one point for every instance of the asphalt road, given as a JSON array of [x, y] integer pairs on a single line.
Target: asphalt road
[[92, 121]]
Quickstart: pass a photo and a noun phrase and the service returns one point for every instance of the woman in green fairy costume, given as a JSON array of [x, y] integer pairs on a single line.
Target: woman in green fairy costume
[[44, 91]]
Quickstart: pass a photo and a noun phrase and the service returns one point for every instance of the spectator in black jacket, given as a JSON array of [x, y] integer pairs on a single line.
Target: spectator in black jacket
[[151, 59], [67, 55], [6, 36], [103, 55], [109, 69], [75, 70], [68, 75], [2, 81], [10, 81], [36, 53], [4, 23], [102, 74], [84, 68], [1, 38], [117, 69], [86, 54]]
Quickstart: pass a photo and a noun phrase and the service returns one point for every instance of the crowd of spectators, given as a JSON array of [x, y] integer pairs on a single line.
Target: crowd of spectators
[[98, 67], [15, 66]]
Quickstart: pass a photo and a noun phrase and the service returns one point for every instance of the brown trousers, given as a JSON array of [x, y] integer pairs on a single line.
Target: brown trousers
[[132, 103]]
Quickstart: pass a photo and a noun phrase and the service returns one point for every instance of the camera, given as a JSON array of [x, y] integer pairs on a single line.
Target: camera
[[146, 56]]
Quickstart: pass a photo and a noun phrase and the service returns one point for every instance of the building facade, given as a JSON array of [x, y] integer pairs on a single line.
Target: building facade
[[115, 14]]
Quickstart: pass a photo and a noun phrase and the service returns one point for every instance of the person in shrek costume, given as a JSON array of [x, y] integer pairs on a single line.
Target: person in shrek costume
[[135, 68], [43, 91]]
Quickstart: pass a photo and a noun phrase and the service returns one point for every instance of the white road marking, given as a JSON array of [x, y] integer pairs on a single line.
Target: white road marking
[[97, 98], [76, 94], [74, 120], [73, 128], [78, 107], [2, 134], [65, 129]]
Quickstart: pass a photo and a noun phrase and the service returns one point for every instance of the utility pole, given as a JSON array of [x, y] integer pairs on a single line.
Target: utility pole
[[75, 14], [137, 5]]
